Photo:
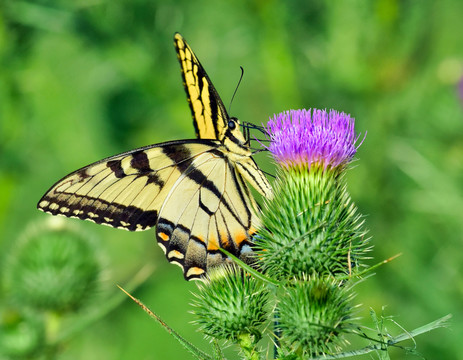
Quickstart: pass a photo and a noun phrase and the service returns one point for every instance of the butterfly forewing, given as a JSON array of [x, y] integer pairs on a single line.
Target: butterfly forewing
[[209, 115], [124, 191]]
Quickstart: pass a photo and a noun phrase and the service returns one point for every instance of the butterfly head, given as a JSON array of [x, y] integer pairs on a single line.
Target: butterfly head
[[233, 136]]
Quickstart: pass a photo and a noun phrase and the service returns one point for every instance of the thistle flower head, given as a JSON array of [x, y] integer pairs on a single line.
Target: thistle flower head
[[311, 224], [307, 137]]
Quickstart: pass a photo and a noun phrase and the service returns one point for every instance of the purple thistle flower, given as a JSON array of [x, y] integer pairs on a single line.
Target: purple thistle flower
[[306, 137]]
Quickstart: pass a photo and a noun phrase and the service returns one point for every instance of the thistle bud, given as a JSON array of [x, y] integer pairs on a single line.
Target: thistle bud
[[53, 267], [313, 315], [229, 304]]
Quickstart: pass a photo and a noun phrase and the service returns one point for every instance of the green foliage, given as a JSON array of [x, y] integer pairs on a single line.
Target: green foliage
[[85, 79], [310, 233], [313, 304]]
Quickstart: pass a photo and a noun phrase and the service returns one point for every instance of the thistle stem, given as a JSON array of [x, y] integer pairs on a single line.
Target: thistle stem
[[248, 347]]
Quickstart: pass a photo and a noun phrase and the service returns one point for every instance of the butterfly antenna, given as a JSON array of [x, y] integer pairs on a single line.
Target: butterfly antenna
[[257, 151], [247, 133], [255, 127], [267, 173], [236, 89]]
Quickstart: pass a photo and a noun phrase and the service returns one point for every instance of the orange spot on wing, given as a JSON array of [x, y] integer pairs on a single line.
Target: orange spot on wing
[[163, 236], [200, 238], [194, 271], [212, 244], [240, 237], [224, 240], [175, 254]]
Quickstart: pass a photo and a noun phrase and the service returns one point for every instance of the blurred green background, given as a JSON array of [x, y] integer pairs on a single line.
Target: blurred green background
[[86, 79]]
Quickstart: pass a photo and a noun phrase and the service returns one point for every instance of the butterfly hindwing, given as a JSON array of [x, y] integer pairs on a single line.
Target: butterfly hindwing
[[216, 214]]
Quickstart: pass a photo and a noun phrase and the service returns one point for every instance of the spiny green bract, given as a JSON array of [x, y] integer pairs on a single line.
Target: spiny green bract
[[313, 314], [230, 303], [310, 225]]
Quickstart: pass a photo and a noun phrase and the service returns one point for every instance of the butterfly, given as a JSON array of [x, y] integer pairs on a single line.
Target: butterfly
[[195, 192]]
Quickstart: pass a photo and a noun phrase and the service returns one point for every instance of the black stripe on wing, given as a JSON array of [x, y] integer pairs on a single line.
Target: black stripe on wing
[[187, 168], [91, 205], [100, 211]]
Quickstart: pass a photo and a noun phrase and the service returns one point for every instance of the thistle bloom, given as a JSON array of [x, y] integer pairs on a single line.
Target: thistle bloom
[[306, 137], [311, 225], [311, 238]]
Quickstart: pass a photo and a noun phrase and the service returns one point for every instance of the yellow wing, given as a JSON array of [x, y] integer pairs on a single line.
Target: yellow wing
[[211, 120], [189, 189], [209, 115]]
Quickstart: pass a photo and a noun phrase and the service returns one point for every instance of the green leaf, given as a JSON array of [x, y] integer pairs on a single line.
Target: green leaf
[[407, 335]]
